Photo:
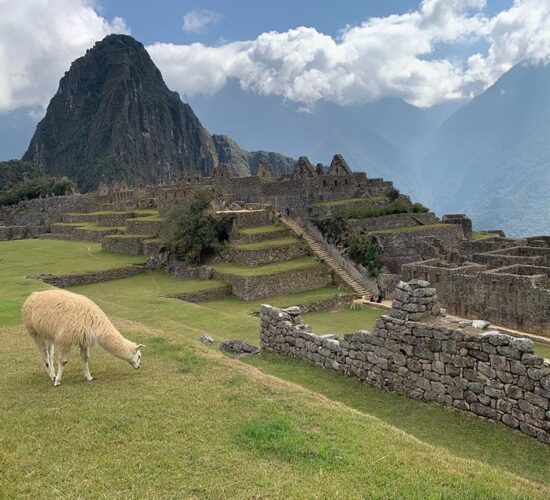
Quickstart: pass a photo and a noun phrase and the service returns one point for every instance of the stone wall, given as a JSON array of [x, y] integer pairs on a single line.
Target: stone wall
[[414, 352], [20, 232], [239, 238], [276, 284], [408, 245], [68, 280], [212, 294], [45, 211], [515, 297], [261, 256], [393, 221], [128, 244]]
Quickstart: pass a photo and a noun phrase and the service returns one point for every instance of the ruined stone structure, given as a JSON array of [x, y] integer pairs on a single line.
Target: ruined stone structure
[[505, 281], [416, 352]]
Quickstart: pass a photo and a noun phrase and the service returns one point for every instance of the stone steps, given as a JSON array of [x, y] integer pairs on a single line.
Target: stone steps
[[316, 248]]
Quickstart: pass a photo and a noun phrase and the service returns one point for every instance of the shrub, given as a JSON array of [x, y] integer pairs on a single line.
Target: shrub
[[363, 249], [333, 227], [37, 187], [393, 194], [199, 232], [418, 208]]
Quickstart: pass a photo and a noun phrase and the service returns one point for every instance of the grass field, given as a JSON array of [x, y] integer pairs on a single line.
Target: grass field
[[195, 424]]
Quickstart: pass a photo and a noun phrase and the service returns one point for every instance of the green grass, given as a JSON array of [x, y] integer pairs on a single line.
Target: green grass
[[141, 211], [348, 201], [269, 228], [258, 245], [411, 229], [290, 265], [195, 424], [344, 321], [95, 227], [25, 257], [154, 218], [542, 349], [476, 236]]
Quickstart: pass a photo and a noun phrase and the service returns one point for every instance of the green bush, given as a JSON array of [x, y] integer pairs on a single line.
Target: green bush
[[199, 231], [368, 211], [37, 187], [418, 208], [333, 227], [363, 249], [393, 194]]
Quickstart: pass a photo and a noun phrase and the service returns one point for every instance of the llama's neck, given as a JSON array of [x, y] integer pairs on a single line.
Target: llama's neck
[[116, 344]]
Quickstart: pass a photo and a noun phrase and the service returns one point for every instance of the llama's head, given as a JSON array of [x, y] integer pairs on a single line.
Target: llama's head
[[135, 360]]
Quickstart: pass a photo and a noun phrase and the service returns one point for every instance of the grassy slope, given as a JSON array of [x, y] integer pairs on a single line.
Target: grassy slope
[[194, 424], [289, 265]]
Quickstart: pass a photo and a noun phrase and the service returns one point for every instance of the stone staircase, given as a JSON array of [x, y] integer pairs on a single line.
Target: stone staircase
[[318, 250]]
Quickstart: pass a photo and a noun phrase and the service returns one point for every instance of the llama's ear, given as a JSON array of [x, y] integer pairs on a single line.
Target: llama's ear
[[139, 346]]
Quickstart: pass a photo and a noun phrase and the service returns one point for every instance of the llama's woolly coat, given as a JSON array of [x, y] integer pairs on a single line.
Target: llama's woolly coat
[[66, 319]]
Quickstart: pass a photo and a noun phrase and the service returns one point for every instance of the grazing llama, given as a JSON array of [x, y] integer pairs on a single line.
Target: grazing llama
[[359, 302], [62, 319]]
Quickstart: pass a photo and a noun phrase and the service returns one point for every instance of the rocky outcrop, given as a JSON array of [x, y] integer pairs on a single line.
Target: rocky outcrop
[[113, 117]]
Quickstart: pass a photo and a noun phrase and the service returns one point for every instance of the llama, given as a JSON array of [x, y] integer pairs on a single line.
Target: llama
[[359, 302], [62, 319]]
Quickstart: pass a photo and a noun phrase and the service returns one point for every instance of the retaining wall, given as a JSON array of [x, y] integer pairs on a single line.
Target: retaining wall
[[273, 285], [265, 255], [64, 281]]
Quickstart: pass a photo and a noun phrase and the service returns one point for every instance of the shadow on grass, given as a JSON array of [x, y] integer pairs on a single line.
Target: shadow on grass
[[461, 434]]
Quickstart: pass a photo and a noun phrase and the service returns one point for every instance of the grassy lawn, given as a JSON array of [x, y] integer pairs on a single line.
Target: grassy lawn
[[25, 257], [344, 321], [476, 235], [195, 424], [542, 349], [269, 228], [289, 265], [279, 242]]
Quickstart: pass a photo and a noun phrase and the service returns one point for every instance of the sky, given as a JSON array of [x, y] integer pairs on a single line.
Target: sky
[[348, 52]]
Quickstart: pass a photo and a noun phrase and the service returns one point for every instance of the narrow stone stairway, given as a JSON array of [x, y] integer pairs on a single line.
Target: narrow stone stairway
[[318, 250]]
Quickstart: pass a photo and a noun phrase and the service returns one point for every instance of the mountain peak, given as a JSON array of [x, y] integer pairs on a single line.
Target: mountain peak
[[113, 117]]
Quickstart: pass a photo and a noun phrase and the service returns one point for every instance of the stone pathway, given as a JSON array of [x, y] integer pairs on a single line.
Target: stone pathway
[[322, 254]]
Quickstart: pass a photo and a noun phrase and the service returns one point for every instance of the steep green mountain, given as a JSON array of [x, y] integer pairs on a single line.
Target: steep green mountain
[[14, 171], [243, 162], [492, 157]]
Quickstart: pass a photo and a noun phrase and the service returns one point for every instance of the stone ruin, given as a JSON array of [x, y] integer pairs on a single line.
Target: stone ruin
[[418, 352]]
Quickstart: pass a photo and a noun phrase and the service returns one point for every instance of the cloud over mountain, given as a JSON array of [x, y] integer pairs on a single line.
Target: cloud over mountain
[[381, 57], [38, 41]]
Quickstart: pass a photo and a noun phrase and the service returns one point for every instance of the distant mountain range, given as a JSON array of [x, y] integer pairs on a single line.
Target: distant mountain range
[[113, 117]]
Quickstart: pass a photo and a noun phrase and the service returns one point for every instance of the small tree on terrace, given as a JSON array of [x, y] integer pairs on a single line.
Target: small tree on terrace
[[199, 231]]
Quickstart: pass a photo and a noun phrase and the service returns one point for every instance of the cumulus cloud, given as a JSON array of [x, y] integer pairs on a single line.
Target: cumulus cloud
[[198, 20], [391, 56], [38, 41]]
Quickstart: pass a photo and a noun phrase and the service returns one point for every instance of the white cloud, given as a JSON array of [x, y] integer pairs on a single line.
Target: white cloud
[[38, 41], [393, 56], [381, 57], [198, 20]]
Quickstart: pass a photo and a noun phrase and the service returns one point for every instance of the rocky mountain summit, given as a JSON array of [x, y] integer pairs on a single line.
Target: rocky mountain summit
[[114, 118]]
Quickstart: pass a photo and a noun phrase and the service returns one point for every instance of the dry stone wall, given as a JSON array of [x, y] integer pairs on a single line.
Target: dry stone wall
[[415, 352], [276, 284], [261, 256], [67, 280]]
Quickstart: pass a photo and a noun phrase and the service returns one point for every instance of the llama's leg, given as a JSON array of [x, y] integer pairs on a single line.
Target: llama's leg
[[62, 358], [84, 352], [44, 354]]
